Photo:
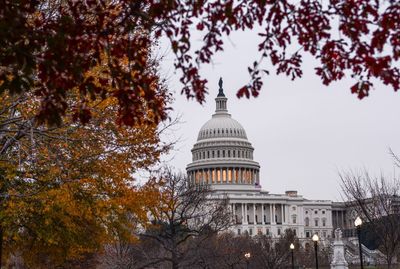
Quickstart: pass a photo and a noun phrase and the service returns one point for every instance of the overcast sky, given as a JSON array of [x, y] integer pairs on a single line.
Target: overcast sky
[[303, 132]]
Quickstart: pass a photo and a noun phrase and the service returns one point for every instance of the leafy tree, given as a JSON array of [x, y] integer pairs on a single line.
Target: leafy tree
[[67, 190], [53, 44]]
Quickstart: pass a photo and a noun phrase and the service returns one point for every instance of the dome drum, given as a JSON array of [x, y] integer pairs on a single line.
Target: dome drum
[[224, 175]]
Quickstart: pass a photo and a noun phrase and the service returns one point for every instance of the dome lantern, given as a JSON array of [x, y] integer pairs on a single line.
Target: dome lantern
[[221, 100]]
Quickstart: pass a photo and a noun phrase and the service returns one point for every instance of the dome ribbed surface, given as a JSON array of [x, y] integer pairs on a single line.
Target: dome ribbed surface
[[220, 126]]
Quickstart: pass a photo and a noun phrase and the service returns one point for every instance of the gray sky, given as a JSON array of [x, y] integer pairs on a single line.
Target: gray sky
[[303, 132]]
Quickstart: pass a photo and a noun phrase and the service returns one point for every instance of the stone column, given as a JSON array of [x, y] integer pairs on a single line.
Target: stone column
[[243, 216], [273, 213], [245, 213], [262, 214], [287, 214], [254, 214]]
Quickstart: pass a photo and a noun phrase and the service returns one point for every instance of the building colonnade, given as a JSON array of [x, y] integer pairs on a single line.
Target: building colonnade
[[260, 213], [224, 175]]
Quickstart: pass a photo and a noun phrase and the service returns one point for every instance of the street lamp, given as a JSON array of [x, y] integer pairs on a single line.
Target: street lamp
[[315, 238], [358, 223], [247, 256], [292, 250]]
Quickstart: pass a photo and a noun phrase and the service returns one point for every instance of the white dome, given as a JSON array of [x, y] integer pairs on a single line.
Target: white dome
[[222, 154], [221, 125]]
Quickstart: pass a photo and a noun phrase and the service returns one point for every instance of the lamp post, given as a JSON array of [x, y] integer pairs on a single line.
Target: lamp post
[[247, 256], [292, 250], [358, 223], [315, 238]]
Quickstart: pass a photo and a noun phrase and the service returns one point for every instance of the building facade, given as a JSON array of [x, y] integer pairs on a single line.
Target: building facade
[[222, 157]]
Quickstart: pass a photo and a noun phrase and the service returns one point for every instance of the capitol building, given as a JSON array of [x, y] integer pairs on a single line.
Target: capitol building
[[222, 157]]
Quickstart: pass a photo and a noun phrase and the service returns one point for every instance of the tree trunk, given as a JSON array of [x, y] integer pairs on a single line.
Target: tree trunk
[[1, 246], [175, 263]]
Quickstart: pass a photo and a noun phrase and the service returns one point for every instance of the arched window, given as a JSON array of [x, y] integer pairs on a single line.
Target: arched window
[[307, 221]]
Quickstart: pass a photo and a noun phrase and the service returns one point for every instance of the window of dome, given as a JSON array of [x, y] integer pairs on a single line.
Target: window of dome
[[233, 153], [213, 155], [223, 154], [217, 153], [222, 130], [229, 153], [208, 155], [204, 155]]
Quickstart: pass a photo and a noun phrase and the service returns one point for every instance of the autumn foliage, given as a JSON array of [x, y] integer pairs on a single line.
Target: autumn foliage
[[66, 191], [46, 47]]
